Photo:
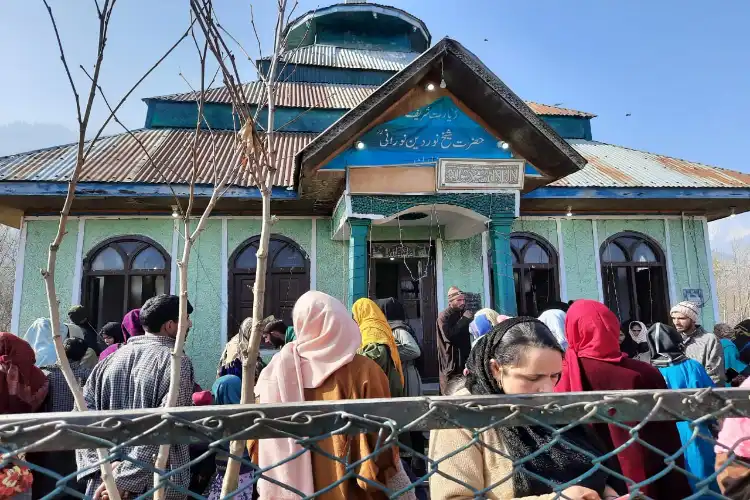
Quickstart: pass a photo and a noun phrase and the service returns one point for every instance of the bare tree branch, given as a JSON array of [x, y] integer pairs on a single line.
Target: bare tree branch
[[48, 274], [135, 86]]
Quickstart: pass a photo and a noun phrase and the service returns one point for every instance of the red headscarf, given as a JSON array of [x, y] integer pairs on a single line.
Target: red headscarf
[[593, 332], [23, 386]]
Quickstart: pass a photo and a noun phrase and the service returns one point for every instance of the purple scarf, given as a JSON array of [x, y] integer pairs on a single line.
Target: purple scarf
[[131, 327]]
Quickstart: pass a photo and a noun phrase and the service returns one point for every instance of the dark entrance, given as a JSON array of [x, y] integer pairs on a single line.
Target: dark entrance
[[287, 278], [406, 271]]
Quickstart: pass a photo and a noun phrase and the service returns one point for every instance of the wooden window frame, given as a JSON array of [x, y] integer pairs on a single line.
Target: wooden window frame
[[234, 271], [127, 270], [660, 264], [523, 268]]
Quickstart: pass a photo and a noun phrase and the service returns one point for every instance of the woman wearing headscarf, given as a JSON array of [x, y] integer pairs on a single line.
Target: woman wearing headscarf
[[130, 327], [555, 321], [633, 342], [378, 343], [111, 335], [734, 476], [593, 362], [736, 370], [681, 372], [23, 387], [39, 337], [322, 364], [484, 320], [519, 356], [230, 362], [227, 391]]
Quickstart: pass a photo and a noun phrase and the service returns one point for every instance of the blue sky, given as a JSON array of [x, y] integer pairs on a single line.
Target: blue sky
[[679, 68]]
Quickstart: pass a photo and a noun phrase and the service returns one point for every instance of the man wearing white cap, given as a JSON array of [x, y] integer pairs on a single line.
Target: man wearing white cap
[[698, 344]]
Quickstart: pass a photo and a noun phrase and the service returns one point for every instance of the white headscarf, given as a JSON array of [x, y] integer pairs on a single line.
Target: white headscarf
[[39, 337], [555, 321], [641, 337]]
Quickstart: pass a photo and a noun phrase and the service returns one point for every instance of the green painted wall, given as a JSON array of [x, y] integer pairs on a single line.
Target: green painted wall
[[333, 262], [580, 263], [462, 265], [697, 260], [546, 228], [652, 227], [204, 345], [96, 231], [405, 233], [299, 230], [39, 235]]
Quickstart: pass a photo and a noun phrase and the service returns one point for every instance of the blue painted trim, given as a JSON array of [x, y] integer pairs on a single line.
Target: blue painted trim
[[131, 190], [637, 193]]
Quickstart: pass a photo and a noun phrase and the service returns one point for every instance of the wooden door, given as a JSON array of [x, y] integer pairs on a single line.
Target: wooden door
[[284, 289], [242, 301]]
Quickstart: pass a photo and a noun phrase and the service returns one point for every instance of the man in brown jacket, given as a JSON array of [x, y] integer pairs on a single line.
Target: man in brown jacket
[[454, 342]]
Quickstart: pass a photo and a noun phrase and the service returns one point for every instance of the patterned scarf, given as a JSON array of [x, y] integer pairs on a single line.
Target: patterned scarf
[[561, 462]]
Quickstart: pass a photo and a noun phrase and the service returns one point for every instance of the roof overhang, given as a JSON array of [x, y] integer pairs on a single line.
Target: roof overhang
[[469, 80], [713, 203]]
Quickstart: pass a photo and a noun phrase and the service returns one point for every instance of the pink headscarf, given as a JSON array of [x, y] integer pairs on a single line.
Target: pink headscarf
[[736, 431], [327, 339]]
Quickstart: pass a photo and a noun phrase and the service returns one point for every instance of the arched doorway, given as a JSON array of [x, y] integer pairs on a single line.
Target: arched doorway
[[287, 278], [634, 278], [122, 273]]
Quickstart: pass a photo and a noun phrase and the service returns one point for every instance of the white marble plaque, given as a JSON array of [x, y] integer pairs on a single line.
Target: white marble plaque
[[479, 174]]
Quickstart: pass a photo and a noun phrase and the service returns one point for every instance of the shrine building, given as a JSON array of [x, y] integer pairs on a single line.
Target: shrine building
[[406, 167]]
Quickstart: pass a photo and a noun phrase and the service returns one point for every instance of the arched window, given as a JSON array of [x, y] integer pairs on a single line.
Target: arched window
[[634, 278], [287, 278], [121, 274], [535, 273]]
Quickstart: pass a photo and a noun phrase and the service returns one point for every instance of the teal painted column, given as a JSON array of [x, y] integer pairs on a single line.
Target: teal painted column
[[502, 266], [357, 259]]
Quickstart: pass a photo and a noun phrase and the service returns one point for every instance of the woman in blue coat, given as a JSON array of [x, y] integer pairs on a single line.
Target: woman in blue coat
[[681, 372]]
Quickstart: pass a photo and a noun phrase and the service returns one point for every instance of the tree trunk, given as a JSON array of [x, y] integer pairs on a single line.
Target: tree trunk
[[177, 353], [54, 315]]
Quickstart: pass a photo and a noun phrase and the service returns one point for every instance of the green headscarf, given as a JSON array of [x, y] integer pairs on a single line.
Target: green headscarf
[[290, 336]]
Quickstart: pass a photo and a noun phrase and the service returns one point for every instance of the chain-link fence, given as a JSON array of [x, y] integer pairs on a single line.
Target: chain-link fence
[[355, 445]]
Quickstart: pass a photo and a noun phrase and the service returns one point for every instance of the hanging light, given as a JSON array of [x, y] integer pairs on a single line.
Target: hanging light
[[429, 87], [175, 212], [443, 84], [570, 212], [733, 213]]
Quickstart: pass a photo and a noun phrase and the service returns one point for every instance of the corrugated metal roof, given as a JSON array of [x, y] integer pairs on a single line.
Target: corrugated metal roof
[[617, 166], [290, 94], [328, 96], [120, 158], [341, 57], [546, 109]]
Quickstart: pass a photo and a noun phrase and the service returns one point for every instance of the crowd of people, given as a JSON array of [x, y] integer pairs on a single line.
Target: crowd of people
[[332, 353]]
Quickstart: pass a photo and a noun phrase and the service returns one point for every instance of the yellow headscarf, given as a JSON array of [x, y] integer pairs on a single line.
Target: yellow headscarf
[[375, 330]]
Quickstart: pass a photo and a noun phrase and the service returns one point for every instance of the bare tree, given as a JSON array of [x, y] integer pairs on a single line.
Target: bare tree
[[260, 158], [732, 273], [83, 149], [8, 251]]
